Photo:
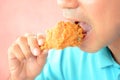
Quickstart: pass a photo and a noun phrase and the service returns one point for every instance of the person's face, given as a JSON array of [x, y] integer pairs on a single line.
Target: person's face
[[99, 18]]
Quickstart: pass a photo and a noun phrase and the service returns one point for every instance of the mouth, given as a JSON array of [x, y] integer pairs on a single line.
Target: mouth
[[85, 26]]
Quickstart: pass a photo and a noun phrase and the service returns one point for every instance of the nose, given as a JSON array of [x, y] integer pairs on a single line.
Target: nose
[[68, 3]]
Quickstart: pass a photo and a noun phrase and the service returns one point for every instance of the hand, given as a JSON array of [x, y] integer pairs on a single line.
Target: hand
[[25, 58]]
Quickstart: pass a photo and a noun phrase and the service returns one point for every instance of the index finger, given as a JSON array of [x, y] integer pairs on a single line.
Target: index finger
[[33, 43]]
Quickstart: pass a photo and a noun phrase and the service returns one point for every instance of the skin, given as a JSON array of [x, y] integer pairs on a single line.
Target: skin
[[25, 58], [104, 19]]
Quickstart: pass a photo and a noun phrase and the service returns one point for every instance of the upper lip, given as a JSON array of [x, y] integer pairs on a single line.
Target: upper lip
[[83, 24]]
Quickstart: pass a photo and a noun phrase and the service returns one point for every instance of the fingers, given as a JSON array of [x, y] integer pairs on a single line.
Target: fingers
[[41, 39], [23, 45], [13, 50], [27, 46], [25, 51], [41, 59], [33, 43]]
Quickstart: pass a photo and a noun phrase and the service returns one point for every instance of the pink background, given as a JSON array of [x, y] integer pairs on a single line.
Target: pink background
[[20, 16]]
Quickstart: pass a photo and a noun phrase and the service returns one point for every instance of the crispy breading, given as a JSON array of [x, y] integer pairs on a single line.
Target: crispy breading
[[62, 35]]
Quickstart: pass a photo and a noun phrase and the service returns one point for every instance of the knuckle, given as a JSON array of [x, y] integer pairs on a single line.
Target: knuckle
[[32, 41], [29, 34], [12, 47], [40, 36], [21, 39]]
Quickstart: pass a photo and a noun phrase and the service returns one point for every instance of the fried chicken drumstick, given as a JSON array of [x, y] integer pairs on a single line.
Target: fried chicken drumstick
[[64, 34]]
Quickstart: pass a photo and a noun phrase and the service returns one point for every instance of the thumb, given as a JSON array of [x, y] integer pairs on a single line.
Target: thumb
[[42, 57]]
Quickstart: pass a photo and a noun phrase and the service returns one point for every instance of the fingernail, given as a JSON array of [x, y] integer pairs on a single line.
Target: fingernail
[[36, 51], [40, 42]]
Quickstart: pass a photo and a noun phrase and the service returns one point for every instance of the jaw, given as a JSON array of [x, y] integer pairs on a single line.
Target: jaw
[[90, 42]]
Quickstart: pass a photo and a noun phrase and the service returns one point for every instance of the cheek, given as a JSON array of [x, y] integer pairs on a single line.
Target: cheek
[[95, 9], [106, 35], [99, 13]]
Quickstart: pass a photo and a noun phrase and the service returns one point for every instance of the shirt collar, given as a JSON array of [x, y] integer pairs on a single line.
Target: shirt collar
[[104, 58]]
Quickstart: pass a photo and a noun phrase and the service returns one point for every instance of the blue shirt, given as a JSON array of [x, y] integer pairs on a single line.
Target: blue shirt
[[72, 63]]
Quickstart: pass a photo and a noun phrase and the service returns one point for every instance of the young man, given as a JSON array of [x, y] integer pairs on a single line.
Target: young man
[[98, 57]]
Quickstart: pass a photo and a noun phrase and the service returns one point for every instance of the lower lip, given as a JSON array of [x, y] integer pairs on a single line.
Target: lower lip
[[88, 36], [86, 27]]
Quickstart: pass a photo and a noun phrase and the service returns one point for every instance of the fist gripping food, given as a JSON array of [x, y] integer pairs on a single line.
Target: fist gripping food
[[64, 34]]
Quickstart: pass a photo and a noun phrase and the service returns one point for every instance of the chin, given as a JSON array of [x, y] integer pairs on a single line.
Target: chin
[[89, 50], [91, 45]]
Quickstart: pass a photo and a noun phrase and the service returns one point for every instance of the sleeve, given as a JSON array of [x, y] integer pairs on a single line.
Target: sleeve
[[52, 69]]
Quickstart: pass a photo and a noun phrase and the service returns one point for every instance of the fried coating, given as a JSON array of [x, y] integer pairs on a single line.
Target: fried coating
[[64, 34]]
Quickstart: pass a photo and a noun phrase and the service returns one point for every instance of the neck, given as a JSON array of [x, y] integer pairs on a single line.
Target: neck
[[115, 49]]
